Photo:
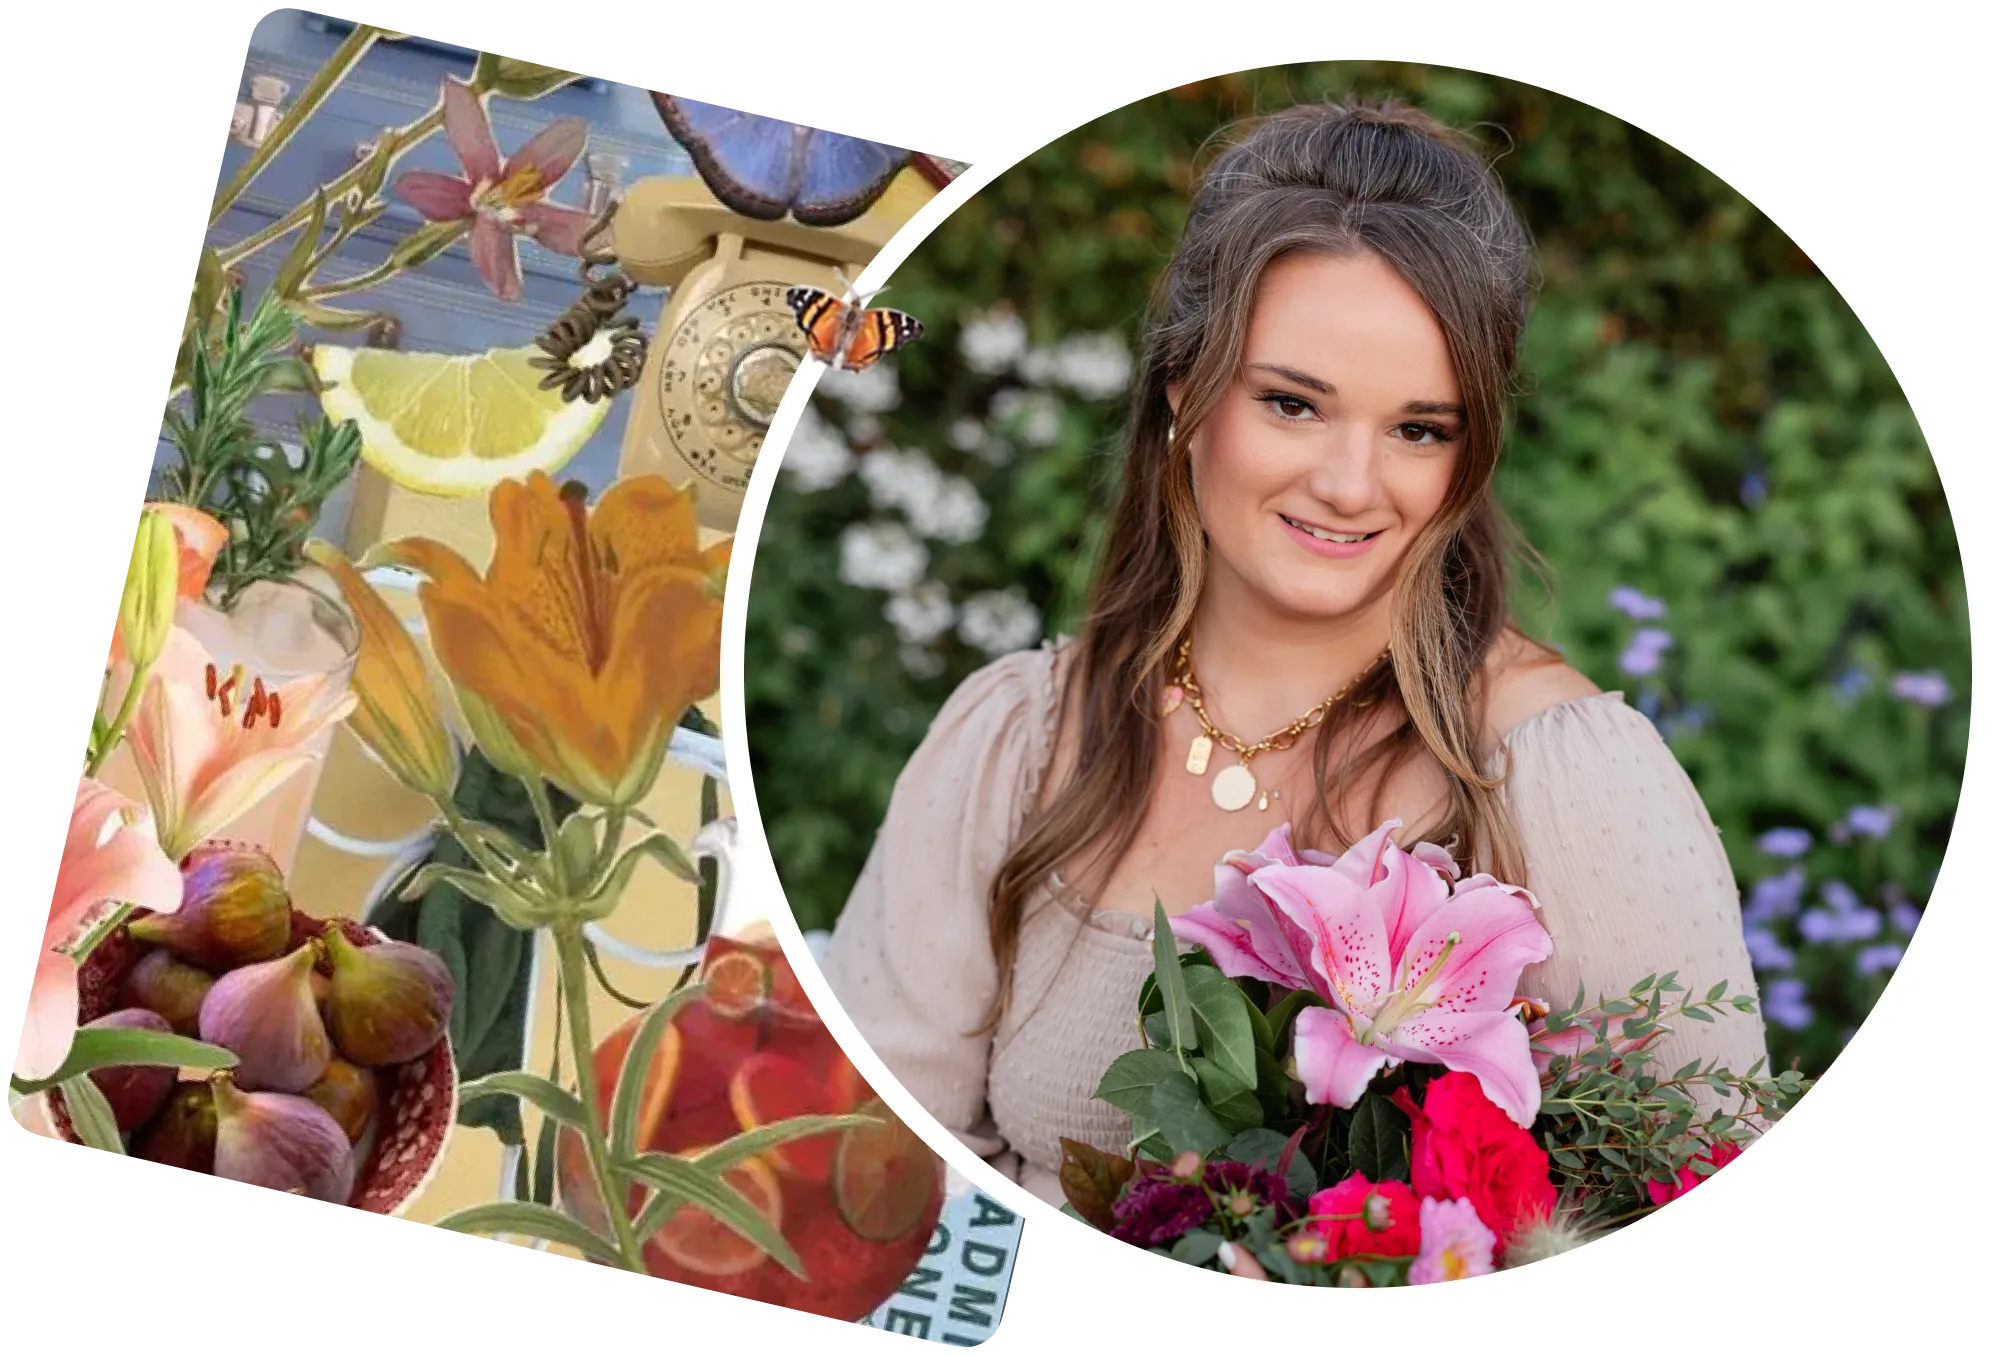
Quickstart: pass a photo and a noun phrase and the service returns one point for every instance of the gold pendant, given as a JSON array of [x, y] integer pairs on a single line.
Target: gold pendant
[[1196, 756], [1234, 788]]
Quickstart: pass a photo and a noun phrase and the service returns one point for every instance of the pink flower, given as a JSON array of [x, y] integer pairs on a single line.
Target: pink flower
[[1720, 1154], [1410, 971], [1455, 1244], [1246, 936], [109, 858], [502, 201]]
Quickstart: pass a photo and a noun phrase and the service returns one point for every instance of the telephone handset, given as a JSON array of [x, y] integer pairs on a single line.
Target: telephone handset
[[727, 344]]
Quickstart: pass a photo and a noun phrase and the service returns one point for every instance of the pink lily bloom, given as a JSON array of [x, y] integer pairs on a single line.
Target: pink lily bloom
[[1410, 971], [1246, 935], [209, 743], [502, 201], [109, 858]]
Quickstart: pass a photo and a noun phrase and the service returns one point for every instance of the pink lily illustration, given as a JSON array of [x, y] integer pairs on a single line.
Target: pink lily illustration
[[210, 743], [502, 201], [110, 857], [1409, 969]]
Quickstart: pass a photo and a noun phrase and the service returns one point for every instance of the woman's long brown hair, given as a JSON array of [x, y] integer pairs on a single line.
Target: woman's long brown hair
[[1339, 180]]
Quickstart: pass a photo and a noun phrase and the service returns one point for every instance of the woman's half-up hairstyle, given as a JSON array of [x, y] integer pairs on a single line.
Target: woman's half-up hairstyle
[[1340, 180]]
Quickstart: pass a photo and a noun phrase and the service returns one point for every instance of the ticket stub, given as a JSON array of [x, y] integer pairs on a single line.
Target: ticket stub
[[956, 1294]]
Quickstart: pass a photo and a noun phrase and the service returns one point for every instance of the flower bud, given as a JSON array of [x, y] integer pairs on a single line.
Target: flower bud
[[152, 582], [1242, 1204], [1307, 1248], [1378, 1213], [1187, 1166], [1351, 1278]]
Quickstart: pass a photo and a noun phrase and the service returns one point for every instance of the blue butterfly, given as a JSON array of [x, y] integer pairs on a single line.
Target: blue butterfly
[[763, 167]]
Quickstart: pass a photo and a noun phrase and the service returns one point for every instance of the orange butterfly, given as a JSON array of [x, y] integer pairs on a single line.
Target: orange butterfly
[[849, 335]]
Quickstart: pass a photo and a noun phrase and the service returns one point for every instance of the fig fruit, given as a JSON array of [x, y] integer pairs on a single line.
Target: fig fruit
[[348, 1093], [170, 987], [183, 1134], [265, 1013], [389, 1003], [281, 1141], [135, 1091], [234, 909]]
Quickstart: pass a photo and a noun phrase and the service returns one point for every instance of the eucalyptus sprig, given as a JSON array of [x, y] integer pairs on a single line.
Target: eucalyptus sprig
[[267, 499]]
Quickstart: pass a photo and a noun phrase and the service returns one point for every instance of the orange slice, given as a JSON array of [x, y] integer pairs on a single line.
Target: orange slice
[[883, 1177], [659, 1080], [697, 1241], [769, 1087], [737, 985]]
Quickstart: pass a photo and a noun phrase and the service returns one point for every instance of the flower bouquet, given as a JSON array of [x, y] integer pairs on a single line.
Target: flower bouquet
[[1340, 1085]]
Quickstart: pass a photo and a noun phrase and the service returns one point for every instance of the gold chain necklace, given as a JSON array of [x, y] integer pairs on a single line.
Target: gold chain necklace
[[1234, 787]]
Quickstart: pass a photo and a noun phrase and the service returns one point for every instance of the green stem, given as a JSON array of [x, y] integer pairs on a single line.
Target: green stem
[[116, 734], [572, 965], [328, 78], [606, 856], [360, 282]]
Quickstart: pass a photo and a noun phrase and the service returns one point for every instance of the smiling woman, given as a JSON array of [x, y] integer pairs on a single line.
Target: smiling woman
[[1299, 616]]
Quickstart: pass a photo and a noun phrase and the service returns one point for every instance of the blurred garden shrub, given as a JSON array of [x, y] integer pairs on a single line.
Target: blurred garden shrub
[[1747, 534]]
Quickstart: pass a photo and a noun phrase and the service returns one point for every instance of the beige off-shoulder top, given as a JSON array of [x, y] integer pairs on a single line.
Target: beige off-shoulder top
[[1622, 854]]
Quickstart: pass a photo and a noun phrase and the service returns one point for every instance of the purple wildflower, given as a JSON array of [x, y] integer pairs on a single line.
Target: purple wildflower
[[1786, 842], [1776, 897], [1841, 897], [1753, 490], [1923, 689], [1905, 917], [1884, 956], [1645, 652], [1767, 951], [1786, 1003], [1873, 821], [1826, 925], [1852, 684], [1635, 603]]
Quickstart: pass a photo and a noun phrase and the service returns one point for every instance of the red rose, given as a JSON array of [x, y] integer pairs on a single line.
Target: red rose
[[1392, 1206], [1465, 1148], [1720, 1154]]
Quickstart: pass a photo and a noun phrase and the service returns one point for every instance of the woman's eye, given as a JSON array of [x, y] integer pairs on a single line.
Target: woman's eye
[[1288, 406], [1423, 435]]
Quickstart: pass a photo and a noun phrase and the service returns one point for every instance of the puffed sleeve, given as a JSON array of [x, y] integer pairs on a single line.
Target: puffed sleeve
[[1627, 864], [910, 958]]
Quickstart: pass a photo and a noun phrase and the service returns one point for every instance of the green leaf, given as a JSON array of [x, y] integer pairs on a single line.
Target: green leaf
[[331, 317], [517, 79], [512, 907], [530, 1220], [1197, 1248], [575, 846], [660, 848], [1698, 1015], [1258, 1146], [1272, 1086], [544, 1164], [749, 1143], [555, 1102], [1284, 1012], [1220, 1017], [636, 1072], [1128, 1081], [1171, 981], [108, 1047], [90, 1114], [291, 273], [1264, 1034], [1716, 992], [1184, 1120], [681, 1181], [1231, 1100], [1377, 1145]]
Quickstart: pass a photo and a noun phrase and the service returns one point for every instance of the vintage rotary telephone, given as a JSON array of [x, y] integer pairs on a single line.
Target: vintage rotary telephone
[[727, 344]]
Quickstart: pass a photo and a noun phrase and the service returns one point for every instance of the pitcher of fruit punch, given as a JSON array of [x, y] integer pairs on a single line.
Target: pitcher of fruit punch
[[858, 1206], [231, 734]]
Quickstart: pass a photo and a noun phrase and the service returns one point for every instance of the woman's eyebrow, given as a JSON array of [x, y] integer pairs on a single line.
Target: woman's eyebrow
[[1432, 407], [1304, 379]]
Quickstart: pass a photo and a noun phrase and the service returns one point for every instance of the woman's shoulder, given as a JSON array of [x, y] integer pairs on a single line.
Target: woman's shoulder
[[1021, 684], [1524, 681]]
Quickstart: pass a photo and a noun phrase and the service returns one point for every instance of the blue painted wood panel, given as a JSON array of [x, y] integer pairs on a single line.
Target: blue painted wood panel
[[444, 306]]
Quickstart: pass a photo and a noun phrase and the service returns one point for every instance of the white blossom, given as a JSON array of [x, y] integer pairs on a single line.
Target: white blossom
[[881, 556], [921, 662], [966, 434], [1033, 415], [923, 614], [873, 390], [817, 457], [992, 342], [1096, 366], [998, 623], [947, 508], [1039, 366], [957, 513]]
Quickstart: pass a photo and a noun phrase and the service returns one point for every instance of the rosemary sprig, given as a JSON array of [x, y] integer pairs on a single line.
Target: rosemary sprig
[[267, 499]]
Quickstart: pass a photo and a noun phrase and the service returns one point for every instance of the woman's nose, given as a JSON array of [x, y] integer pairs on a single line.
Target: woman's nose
[[1345, 474]]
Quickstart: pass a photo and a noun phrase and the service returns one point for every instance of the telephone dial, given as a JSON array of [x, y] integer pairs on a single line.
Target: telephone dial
[[727, 344]]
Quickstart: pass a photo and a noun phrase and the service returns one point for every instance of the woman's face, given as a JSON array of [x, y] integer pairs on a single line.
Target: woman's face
[[1336, 442]]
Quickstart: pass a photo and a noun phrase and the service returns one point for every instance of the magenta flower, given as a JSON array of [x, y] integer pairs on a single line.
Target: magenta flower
[[501, 201], [1409, 970], [1455, 1244]]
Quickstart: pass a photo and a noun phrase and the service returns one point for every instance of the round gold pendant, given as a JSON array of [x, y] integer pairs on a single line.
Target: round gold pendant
[[1234, 787]]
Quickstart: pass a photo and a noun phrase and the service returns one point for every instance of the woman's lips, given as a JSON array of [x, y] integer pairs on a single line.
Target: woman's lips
[[1337, 550]]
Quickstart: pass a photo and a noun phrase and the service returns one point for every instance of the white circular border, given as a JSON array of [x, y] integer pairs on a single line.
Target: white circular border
[[1925, 947]]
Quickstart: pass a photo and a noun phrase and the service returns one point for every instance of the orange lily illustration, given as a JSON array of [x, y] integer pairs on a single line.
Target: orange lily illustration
[[395, 716], [588, 636], [210, 743]]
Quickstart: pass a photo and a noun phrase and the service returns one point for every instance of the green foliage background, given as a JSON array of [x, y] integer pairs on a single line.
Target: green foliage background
[[1703, 420]]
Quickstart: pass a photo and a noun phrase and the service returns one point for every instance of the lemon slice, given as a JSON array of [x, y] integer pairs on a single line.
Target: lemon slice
[[453, 424]]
